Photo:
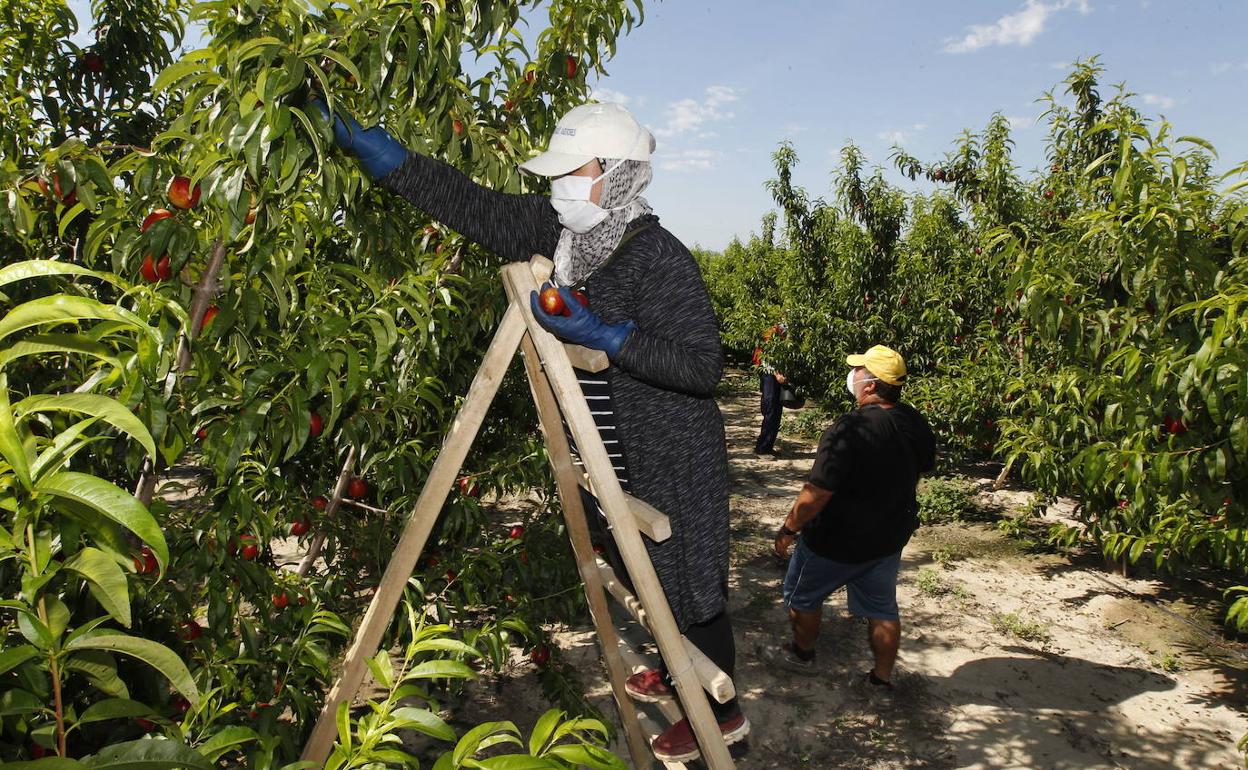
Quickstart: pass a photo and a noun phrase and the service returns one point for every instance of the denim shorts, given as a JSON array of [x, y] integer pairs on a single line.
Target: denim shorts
[[871, 585]]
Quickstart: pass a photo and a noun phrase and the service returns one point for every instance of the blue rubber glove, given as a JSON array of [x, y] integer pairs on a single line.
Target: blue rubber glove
[[583, 326], [379, 153]]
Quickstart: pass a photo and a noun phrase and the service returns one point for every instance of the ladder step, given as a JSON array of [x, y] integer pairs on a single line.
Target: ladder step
[[587, 359], [652, 522], [713, 680]]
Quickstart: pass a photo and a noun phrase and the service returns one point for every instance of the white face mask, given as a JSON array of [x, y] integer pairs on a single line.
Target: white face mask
[[569, 195], [849, 384]]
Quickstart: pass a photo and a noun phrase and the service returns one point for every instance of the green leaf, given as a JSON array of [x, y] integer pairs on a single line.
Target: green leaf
[[106, 580], [584, 755], [425, 721], [112, 502], [518, 762], [440, 669], [62, 308], [16, 656], [543, 730], [11, 447], [107, 409], [42, 344], [39, 268], [113, 708], [47, 763], [158, 656], [227, 739], [146, 754], [100, 669]]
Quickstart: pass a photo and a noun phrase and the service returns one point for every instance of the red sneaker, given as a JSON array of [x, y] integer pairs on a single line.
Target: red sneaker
[[648, 686], [677, 743]]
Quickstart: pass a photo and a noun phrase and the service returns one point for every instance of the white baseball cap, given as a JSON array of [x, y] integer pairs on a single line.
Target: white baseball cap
[[590, 131]]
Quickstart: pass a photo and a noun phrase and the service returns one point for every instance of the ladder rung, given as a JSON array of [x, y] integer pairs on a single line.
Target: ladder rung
[[652, 522], [713, 680], [586, 358]]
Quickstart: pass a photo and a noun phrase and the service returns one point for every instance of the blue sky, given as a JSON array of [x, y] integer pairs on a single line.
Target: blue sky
[[722, 83]]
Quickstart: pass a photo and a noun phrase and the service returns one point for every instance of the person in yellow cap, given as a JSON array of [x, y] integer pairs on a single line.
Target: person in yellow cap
[[855, 514]]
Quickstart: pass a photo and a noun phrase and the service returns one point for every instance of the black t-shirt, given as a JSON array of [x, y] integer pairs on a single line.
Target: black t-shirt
[[870, 460]]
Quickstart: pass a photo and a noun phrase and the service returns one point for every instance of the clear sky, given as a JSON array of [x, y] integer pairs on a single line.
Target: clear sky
[[722, 82]]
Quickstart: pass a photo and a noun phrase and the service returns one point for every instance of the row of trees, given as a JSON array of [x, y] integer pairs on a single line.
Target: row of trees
[[1084, 324], [198, 286]]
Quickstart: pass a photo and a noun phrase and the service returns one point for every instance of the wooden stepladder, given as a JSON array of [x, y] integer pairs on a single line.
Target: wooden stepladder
[[556, 393]]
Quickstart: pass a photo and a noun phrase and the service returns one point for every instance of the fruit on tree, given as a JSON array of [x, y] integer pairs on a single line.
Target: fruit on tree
[[93, 62], [1048, 195], [179, 704], [551, 302], [164, 271], [250, 549], [182, 194], [301, 527], [320, 502], [315, 425], [540, 655], [201, 434], [153, 218], [145, 563], [451, 575], [939, 175], [357, 487], [280, 601], [570, 67], [146, 724], [189, 631], [516, 531], [210, 314], [148, 270], [457, 126], [466, 487]]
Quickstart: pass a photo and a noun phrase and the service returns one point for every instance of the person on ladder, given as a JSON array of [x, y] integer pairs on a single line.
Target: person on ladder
[[649, 311]]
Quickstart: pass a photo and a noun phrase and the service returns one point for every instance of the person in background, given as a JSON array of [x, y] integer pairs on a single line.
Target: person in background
[[649, 311], [855, 514], [769, 382]]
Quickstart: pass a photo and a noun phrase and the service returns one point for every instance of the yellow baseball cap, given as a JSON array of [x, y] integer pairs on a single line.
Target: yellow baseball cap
[[883, 362]]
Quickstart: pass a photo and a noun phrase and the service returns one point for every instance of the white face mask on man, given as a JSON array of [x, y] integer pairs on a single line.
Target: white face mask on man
[[570, 197], [849, 383]]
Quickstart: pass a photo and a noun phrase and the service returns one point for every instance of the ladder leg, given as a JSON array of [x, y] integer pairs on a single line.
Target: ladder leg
[[519, 281], [578, 532], [416, 530]]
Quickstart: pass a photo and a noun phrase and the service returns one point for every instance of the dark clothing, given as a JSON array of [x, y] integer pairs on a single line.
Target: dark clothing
[[714, 638], [662, 383], [870, 460], [771, 409]]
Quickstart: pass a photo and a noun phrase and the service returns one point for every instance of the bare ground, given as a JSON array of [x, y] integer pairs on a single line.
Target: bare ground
[[1010, 658]]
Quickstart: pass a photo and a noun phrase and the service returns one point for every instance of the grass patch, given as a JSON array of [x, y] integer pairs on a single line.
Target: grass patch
[[931, 583], [1016, 625], [945, 499]]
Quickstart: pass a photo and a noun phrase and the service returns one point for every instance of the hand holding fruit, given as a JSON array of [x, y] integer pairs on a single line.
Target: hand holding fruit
[[579, 325], [379, 153]]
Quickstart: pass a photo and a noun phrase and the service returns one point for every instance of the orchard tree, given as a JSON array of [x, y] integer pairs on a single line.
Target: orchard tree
[[294, 337]]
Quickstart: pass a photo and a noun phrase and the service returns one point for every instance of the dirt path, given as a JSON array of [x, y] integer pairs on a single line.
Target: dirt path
[[1009, 659]]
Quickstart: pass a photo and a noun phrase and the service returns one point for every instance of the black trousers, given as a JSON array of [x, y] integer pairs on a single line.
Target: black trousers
[[713, 637], [771, 410]]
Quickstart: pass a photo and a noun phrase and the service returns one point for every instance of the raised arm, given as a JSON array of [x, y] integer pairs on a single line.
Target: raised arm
[[513, 226], [675, 344]]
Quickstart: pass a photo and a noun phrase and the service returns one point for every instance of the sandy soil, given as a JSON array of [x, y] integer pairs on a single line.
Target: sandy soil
[[1010, 658]]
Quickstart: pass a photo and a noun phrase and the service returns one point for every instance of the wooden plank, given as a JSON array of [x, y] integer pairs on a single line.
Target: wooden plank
[[560, 454], [586, 358], [712, 678], [416, 530], [652, 522], [519, 280]]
